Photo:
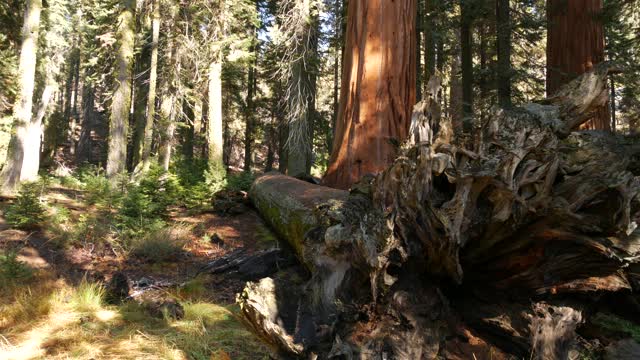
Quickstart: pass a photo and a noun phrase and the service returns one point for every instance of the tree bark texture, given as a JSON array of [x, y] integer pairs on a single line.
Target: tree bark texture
[[121, 102], [466, 63], [215, 141], [249, 130], [11, 174], [425, 252], [302, 98], [153, 80], [378, 89], [575, 44], [503, 17]]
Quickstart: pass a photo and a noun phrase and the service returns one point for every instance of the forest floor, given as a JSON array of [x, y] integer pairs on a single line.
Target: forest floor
[[58, 311]]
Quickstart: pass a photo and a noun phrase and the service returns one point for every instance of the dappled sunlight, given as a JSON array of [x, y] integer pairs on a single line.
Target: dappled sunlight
[[129, 332], [30, 344], [31, 257]]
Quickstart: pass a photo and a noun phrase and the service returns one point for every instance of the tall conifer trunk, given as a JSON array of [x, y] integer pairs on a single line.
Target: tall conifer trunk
[[153, 80], [302, 89], [378, 88], [215, 140], [121, 102], [11, 176], [466, 48], [503, 17], [575, 44], [250, 116]]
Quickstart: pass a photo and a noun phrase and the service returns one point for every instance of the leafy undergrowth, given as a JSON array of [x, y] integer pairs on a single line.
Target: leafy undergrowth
[[47, 318]]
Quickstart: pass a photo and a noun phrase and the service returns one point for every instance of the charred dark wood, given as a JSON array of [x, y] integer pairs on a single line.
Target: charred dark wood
[[250, 266]]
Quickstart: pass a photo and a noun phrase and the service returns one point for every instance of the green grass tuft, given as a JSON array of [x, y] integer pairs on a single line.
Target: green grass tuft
[[160, 245], [87, 297], [614, 323]]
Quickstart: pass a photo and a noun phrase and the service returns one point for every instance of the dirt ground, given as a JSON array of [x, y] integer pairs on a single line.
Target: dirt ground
[[65, 326]]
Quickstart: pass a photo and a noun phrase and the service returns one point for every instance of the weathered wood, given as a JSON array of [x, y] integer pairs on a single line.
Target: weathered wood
[[529, 207], [290, 206]]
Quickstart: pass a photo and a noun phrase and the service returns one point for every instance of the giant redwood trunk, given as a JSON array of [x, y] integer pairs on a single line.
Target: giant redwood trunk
[[378, 89], [575, 44], [499, 253]]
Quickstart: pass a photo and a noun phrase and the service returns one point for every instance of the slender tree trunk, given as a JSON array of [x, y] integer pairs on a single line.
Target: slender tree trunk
[[613, 104], [11, 172], [313, 115], [271, 139], [83, 151], [68, 92], [167, 116], [215, 140], [198, 122], [466, 45], [283, 154], [33, 143], [121, 102], [73, 73], [378, 89], [153, 80], [421, 34], [575, 44], [503, 17], [429, 41], [302, 101], [140, 95], [76, 113], [483, 79], [440, 62], [455, 95], [168, 101], [188, 130], [250, 117], [337, 58]]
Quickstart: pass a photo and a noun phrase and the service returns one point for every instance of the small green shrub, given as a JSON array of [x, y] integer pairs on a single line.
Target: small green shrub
[[145, 206], [13, 270], [241, 181], [59, 225], [190, 172], [164, 189], [71, 182], [216, 178], [27, 212], [160, 245], [97, 189]]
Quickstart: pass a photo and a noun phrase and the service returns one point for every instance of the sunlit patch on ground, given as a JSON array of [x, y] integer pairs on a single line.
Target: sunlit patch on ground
[[78, 325]]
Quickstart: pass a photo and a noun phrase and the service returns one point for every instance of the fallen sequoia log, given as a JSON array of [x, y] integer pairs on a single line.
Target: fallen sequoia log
[[513, 239]]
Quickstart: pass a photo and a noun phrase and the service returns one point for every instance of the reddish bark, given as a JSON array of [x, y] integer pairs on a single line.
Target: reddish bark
[[378, 89], [575, 43]]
